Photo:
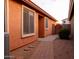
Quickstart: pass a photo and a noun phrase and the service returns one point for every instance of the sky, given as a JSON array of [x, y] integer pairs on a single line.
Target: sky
[[56, 8]]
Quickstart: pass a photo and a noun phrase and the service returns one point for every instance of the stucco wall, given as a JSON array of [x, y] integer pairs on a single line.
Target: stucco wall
[[72, 27], [50, 29], [15, 26]]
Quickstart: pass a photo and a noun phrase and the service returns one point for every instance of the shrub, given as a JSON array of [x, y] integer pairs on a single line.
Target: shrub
[[64, 34]]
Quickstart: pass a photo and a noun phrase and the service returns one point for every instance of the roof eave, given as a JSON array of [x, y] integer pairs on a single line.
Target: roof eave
[[71, 9], [30, 3]]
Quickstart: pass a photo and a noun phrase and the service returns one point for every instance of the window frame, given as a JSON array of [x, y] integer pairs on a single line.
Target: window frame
[[30, 34], [46, 19], [6, 16]]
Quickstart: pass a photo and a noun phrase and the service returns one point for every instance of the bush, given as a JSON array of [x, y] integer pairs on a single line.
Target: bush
[[64, 34]]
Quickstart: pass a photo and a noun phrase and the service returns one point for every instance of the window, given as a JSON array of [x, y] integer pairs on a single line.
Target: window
[[28, 22], [46, 22]]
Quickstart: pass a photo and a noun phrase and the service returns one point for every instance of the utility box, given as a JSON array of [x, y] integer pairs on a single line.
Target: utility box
[[6, 45]]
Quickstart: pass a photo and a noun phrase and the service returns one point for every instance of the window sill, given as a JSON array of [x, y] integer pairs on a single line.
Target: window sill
[[46, 29], [27, 35]]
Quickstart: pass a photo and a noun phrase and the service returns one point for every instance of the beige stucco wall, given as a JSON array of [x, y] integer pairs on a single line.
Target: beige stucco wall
[[72, 27]]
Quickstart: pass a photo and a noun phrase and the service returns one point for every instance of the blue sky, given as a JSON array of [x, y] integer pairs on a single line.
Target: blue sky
[[56, 8]]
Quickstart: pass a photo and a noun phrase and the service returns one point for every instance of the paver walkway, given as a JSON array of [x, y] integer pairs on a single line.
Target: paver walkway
[[50, 48], [44, 51], [63, 49], [46, 48]]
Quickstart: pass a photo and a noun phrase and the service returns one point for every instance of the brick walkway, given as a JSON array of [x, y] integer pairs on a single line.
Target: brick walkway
[[24, 52], [63, 49], [52, 48], [46, 48], [44, 51]]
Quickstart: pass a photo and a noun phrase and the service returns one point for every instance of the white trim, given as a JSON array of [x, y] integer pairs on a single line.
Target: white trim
[[7, 15], [27, 35], [31, 34], [28, 8]]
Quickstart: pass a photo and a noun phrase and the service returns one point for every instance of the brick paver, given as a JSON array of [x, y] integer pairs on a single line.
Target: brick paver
[[63, 49], [46, 48], [50, 48], [24, 52], [44, 51]]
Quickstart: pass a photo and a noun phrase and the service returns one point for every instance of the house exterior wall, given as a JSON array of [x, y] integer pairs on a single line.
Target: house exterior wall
[[15, 26], [72, 27], [71, 17], [49, 30]]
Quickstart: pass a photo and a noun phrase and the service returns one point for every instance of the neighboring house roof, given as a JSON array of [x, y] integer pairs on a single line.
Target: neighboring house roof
[[30, 3], [71, 9], [65, 21]]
